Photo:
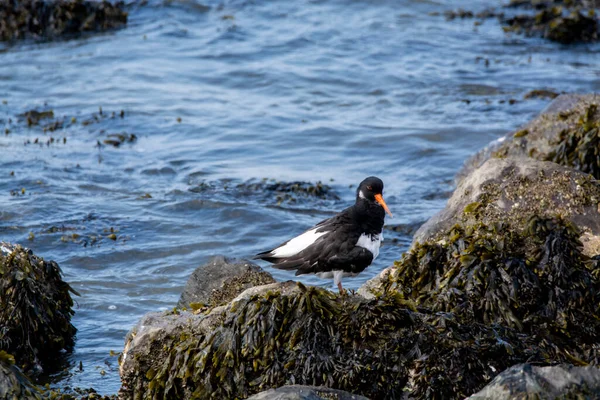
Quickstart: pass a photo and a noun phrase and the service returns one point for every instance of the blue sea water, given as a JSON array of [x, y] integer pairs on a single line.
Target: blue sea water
[[224, 93]]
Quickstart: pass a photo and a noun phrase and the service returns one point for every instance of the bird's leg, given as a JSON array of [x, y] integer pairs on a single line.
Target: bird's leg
[[337, 279]]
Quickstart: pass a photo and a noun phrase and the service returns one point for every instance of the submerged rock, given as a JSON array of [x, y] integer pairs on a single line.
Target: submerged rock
[[278, 191], [13, 383], [300, 392], [35, 308], [525, 381], [557, 25], [220, 281], [34, 19]]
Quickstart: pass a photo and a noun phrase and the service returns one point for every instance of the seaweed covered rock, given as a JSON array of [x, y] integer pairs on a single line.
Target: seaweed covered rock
[[556, 24], [220, 281], [13, 383], [507, 251], [567, 133], [279, 192], [286, 334], [300, 392], [35, 308], [34, 19], [510, 191], [526, 381]]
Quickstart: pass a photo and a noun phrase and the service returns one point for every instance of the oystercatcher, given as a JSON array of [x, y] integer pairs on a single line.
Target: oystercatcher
[[343, 245]]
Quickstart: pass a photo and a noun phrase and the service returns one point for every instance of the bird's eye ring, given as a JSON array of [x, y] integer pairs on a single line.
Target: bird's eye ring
[[369, 188]]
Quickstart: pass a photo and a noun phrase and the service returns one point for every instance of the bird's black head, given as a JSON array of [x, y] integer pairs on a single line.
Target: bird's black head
[[371, 189]]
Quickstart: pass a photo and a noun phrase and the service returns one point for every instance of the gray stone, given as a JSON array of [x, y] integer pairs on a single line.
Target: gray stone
[[513, 189], [221, 280], [525, 381], [300, 392], [541, 136], [13, 383]]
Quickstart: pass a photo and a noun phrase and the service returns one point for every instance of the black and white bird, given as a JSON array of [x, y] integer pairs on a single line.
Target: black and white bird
[[343, 245]]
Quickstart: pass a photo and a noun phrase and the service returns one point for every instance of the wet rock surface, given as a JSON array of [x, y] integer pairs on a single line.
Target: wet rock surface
[[35, 308], [300, 392], [34, 19], [526, 381], [13, 383], [220, 281]]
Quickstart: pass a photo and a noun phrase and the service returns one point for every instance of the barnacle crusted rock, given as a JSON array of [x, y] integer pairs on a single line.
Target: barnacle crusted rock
[[301, 392], [35, 308], [219, 281]]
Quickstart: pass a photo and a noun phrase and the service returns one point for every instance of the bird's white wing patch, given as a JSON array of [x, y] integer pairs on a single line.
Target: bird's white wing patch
[[297, 244], [371, 243]]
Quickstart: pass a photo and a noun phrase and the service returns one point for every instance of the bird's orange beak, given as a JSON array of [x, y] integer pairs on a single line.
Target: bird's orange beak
[[379, 199]]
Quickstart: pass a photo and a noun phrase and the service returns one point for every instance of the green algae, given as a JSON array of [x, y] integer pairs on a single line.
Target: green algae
[[35, 308]]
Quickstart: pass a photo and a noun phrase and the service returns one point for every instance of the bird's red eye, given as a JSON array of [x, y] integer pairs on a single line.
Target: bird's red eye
[[369, 188]]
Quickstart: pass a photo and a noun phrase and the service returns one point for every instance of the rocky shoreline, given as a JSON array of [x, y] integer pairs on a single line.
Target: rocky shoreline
[[505, 278], [507, 274]]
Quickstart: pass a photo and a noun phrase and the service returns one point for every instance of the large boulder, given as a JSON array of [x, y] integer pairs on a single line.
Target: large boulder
[[286, 333], [511, 191], [525, 381], [507, 195], [220, 281], [566, 132], [35, 308], [300, 392], [507, 251], [13, 383]]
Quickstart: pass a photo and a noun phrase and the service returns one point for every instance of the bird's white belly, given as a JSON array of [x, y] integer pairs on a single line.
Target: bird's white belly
[[371, 243]]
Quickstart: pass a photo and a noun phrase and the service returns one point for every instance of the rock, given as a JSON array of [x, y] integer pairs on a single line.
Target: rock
[[507, 250], [35, 308], [13, 383], [33, 19], [567, 132], [525, 381], [300, 392], [511, 191], [540, 93], [287, 333], [559, 24], [268, 190], [220, 281]]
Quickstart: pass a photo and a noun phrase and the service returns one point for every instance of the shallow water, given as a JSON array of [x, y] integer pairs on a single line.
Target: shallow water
[[295, 91]]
